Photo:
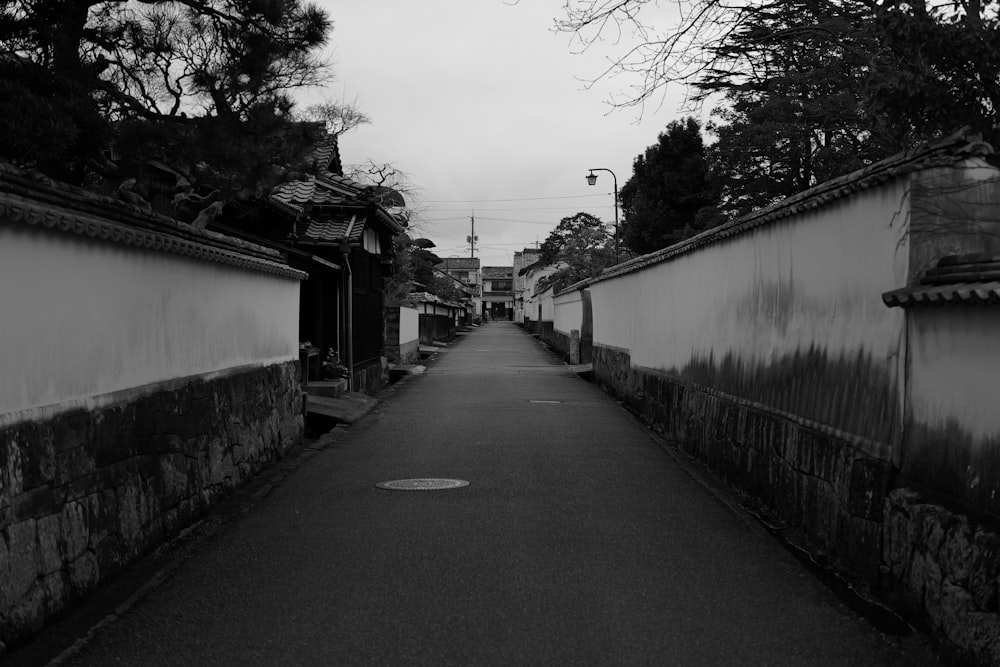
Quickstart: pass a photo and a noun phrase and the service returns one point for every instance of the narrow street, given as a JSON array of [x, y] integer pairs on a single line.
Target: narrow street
[[578, 541]]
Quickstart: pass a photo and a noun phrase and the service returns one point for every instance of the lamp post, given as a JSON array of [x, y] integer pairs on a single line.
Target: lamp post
[[592, 180]]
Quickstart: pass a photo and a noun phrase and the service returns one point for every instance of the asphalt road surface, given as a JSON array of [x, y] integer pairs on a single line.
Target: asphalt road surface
[[578, 541]]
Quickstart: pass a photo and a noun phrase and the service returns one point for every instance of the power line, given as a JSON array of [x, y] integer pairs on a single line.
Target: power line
[[473, 201], [518, 208], [491, 219]]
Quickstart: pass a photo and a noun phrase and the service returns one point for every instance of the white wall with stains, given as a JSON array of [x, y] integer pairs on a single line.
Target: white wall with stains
[[813, 279], [83, 318], [409, 325], [568, 311], [955, 367], [787, 315]]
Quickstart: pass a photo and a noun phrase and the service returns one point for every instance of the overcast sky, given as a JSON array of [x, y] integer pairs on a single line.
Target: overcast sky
[[484, 107]]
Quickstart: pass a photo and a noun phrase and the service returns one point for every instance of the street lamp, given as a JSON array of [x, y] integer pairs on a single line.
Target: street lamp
[[592, 180]]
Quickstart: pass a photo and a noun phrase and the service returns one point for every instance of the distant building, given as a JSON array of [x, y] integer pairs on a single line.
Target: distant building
[[498, 292], [522, 260], [465, 270], [469, 295]]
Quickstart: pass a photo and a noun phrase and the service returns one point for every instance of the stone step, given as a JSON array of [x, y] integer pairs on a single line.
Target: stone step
[[329, 388], [344, 409]]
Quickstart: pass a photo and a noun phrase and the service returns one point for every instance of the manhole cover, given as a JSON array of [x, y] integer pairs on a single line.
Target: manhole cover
[[423, 484]]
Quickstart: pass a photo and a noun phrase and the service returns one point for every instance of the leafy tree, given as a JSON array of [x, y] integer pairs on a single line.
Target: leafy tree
[[933, 63], [423, 261], [794, 111], [413, 270], [580, 246], [810, 88], [938, 67], [670, 195], [201, 85]]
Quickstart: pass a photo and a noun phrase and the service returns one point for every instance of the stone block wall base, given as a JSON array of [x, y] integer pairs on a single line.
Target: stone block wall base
[[86, 493], [558, 342], [936, 567], [409, 353], [944, 571], [369, 377]]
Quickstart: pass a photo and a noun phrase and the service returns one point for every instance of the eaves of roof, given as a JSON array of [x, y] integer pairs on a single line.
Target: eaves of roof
[[389, 220], [971, 294], [972, 279], [427, 297], [327, 198], [945, 152], [329, 229], [342, 184]]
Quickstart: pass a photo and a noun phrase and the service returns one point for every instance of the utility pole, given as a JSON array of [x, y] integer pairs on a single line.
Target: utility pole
[[473, 238]]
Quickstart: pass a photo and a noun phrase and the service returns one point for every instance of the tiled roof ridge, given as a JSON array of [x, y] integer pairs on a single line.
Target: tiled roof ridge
[[575, 286], [949, 150], [351, 187], [37, 200], [37, 186], [41, 188], [327, 153]]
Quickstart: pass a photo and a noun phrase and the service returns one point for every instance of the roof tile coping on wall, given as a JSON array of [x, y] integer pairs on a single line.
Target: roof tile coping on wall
[[972, 279], [34, 199], [944, 152]]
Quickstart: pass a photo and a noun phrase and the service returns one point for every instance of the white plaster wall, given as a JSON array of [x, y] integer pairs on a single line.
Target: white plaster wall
[[82, 318], [954, 368], [814, 279], [568, 312], [530, 285], [544, 299], [409, 325]]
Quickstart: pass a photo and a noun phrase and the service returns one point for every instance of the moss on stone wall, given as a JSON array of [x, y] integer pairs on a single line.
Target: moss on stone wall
[[938, 567], [85, 493]]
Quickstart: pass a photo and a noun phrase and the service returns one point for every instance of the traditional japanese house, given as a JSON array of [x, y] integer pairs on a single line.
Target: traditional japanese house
[[341, 234]]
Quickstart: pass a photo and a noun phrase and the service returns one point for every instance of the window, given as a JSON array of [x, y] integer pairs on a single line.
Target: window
[[502, 285]]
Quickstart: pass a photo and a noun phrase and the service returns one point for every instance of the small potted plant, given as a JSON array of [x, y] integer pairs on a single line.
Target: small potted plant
[[332, 368]]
